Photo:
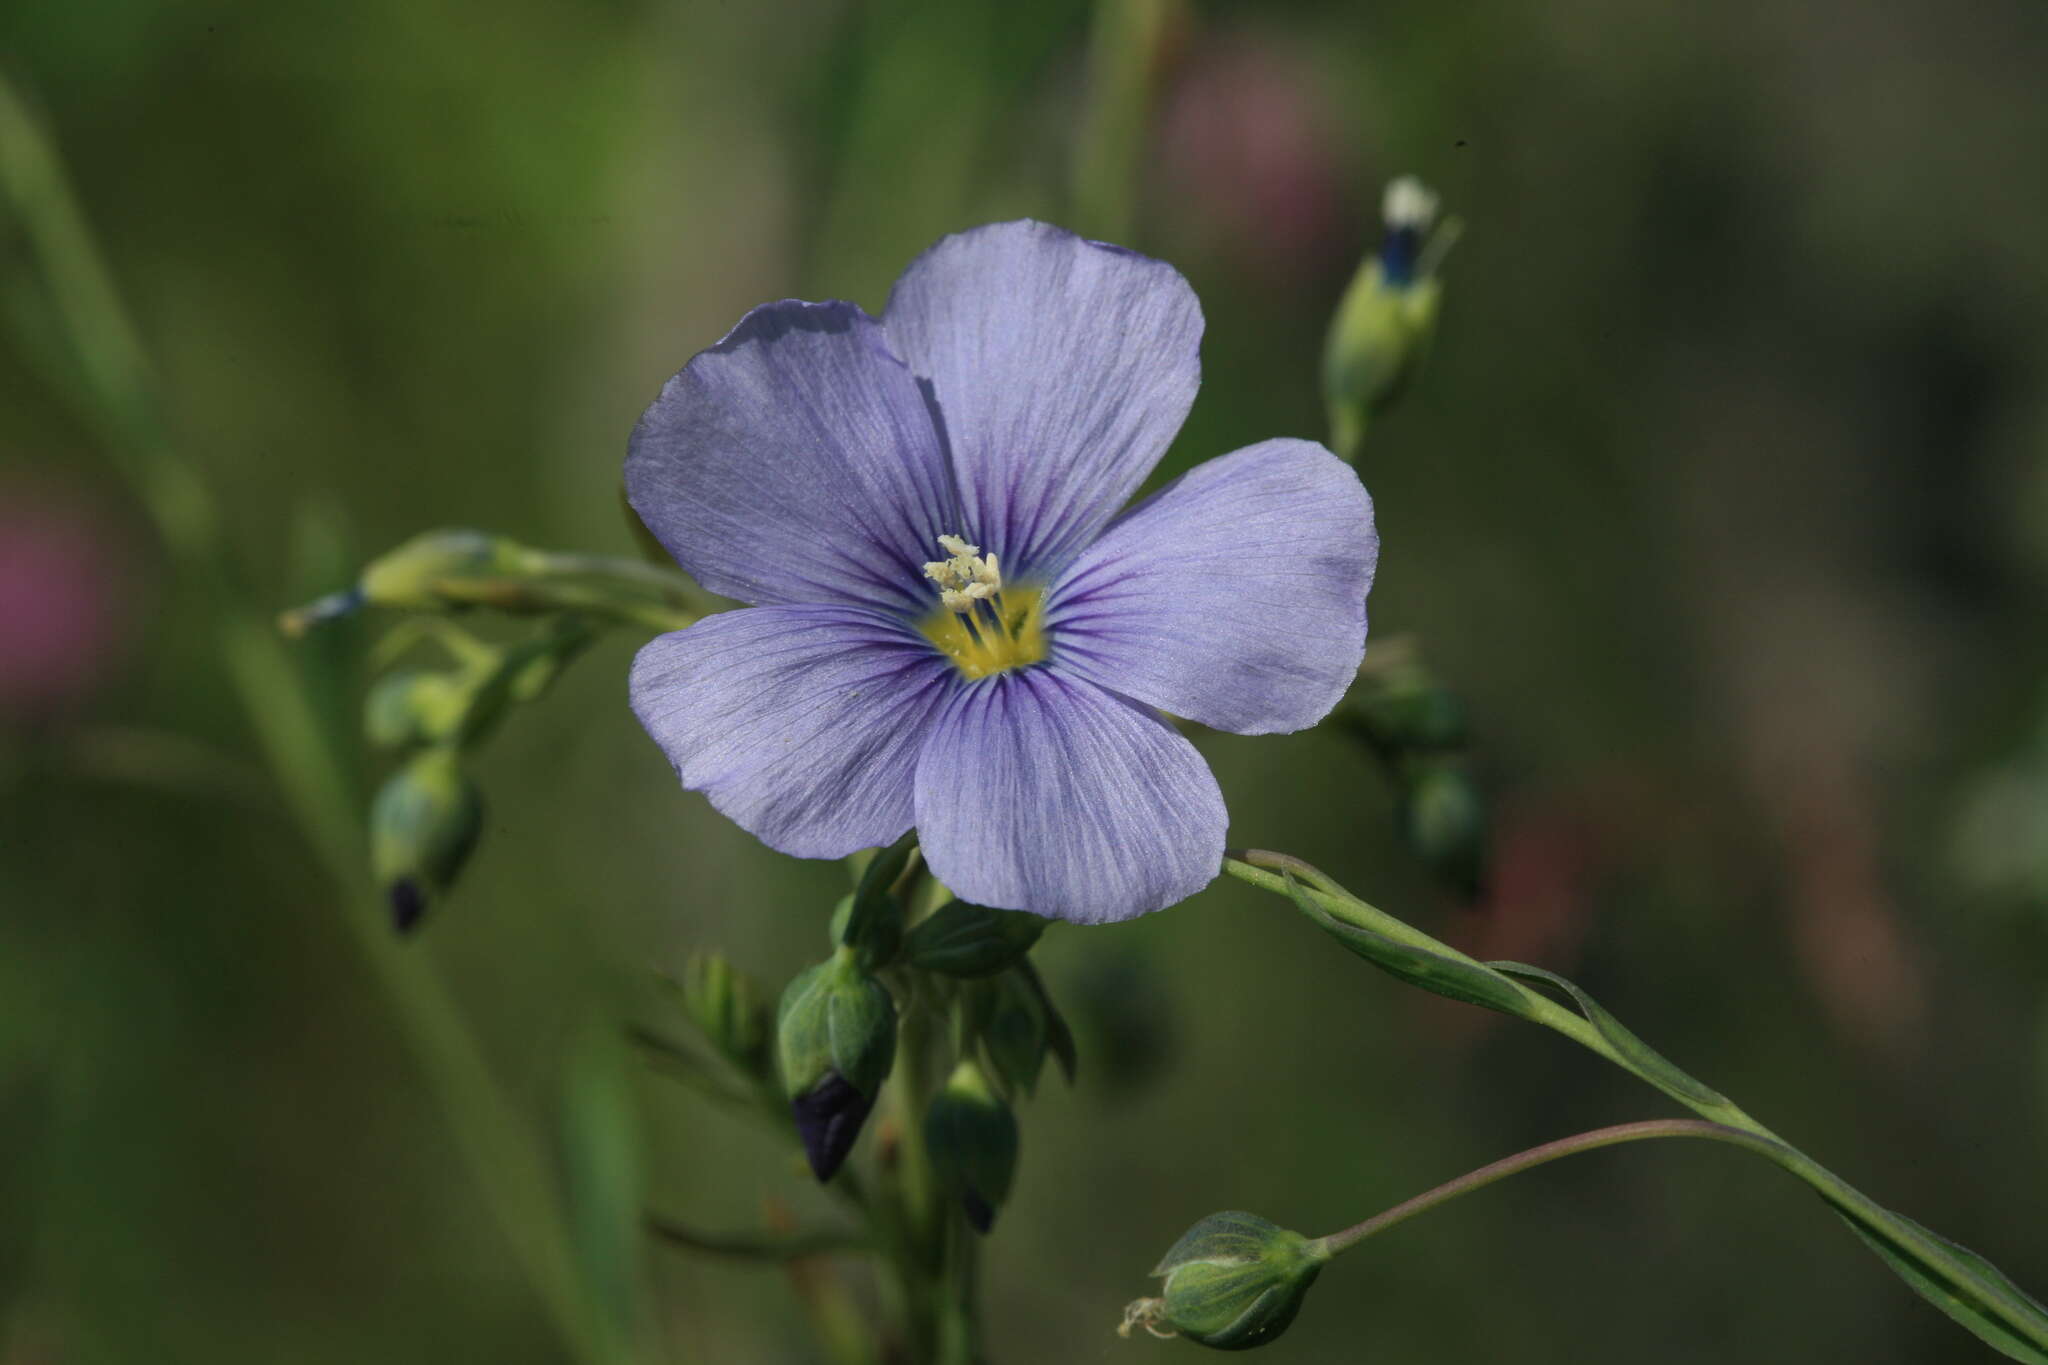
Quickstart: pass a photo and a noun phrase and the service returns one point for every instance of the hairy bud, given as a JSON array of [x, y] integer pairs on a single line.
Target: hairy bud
[[836, 1042], [1233, 1281]]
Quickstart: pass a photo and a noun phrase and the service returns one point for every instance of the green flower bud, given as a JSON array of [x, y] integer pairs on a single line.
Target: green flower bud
[[972, 1138], [971, 940], [408, 575], [414, 707], [726, 1004], [1385, 320], [1233, 1281], [1406, 713], [1442, 818], [423, 825], [836, 1041]]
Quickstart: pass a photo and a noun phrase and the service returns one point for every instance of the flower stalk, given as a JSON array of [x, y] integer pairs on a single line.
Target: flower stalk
[[1958, 1281]]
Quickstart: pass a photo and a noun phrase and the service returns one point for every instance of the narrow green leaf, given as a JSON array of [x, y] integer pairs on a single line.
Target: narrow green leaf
[[874, 924], [1934, 1286], [1058, 1036], [1640, 1057], [1447, 976]]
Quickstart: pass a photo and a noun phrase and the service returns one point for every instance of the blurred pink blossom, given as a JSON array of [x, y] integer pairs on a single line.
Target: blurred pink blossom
[[62, 590], [1249, 147]]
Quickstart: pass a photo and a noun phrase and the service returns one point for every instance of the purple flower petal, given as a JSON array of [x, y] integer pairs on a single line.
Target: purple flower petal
[[1037, 792], [1234, 596], [1062, 369], [802, 724], [796, 461]]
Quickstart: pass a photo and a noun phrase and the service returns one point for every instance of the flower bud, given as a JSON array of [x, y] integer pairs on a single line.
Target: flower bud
[[1233, 1281], [1442, 819], [972, 1138], [726, 1004], [1384, 321], [414, 707], [408, 575], [1406, 713], [836, 1041], [423, 825]]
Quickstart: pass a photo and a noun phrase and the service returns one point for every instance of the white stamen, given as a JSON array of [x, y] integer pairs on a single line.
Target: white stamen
[[1408, 203], [968, 577]]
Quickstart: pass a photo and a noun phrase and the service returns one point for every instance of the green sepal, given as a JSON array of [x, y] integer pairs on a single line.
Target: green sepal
[[1928, 1283], [1016, 1031], [1636, 1054], [1468, 982], [1058, 1036], [872, 925], [1236, 1280], [960, 939], [834, 1016]]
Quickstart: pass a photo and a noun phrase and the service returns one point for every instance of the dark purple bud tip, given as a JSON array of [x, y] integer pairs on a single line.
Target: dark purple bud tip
[[980, 1216], [408, 903], [828, 1119]]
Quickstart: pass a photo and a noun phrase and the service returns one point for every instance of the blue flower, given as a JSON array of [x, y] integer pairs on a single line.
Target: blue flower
[[949, 624]]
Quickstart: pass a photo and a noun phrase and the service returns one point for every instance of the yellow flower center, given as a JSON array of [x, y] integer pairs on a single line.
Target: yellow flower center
[[980, 625]]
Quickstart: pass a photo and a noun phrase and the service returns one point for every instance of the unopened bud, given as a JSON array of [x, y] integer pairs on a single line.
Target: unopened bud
[[423, 825], [1442, 819], [409, 576], [1384, 322], [1406, 713], [972, 1138], [726, 1004], [836, 1041], [414, 707], [1233, 1281]]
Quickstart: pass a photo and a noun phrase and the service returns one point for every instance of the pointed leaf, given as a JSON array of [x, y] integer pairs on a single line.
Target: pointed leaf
[[1058, 1036], [1468, 982], [1933, 1285], [1645, 1060]]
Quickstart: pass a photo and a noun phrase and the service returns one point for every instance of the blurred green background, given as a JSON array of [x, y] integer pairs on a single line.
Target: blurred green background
[[1723, 501]]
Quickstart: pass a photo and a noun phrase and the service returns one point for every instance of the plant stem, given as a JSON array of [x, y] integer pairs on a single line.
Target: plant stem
[[1535, 1156], [1968, 1292], [120, 399], [761, 1246], [1123, 61]]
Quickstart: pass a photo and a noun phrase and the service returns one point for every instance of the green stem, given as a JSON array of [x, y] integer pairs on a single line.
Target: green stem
[[1535, 1156], [1969, 1290], [670, 583], [1123, 60], [761, 1246], [919, 1252], [120, 399]]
